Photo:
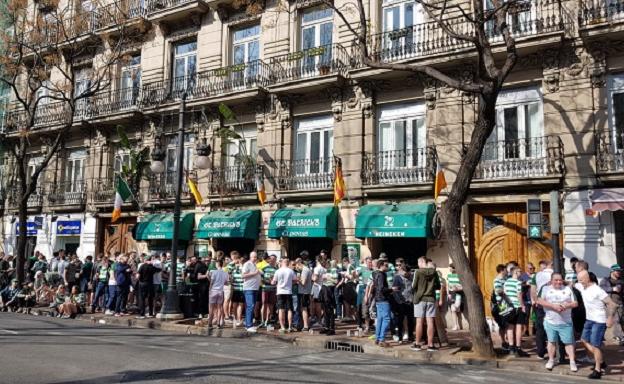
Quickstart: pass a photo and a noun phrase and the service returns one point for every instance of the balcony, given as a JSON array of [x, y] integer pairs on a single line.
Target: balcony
[[327, 61], [599, 12], [120, 12], [67, 193], [536, 157], [399, 167], [528, 19], [218, 82], [610, 156], [104, 191], [233, 180], [105, 104], [173, 10], [305, 175], [163, 186], [35, 200], [46, 115]]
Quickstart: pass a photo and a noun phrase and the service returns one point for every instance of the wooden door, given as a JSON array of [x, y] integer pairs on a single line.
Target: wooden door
[[118, 236], [498, 237]]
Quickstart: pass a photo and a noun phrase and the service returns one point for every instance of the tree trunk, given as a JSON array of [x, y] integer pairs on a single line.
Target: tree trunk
[[20, 256], [451, 213]]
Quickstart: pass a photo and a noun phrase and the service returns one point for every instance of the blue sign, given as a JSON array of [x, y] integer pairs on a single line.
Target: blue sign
[[68, 228], [31, 228]]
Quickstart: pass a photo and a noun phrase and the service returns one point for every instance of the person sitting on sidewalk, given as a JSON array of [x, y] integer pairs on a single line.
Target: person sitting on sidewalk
[[73, 305], [27, 298], [424, 285], [599, 309], [557, 300], [59, 299], [8, 297]]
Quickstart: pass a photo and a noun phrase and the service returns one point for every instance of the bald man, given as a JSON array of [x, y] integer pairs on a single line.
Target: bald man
[[600, 310]]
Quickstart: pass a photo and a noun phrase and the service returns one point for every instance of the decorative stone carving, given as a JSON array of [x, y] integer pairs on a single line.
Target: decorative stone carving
[[430, 97], [551, 81]]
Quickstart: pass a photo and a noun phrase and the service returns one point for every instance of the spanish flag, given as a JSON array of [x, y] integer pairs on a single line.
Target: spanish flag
[[260, 190], [440, 181], [339, 184], [194, 191]]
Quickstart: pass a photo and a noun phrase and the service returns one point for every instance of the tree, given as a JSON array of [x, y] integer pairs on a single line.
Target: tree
[[475, 28], [41, 55]]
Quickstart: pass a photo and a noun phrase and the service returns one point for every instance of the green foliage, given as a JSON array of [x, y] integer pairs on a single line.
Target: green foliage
[[139, 161], [226, 112]]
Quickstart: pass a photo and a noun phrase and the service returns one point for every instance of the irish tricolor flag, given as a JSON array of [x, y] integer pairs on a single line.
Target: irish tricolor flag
[[122, 193]]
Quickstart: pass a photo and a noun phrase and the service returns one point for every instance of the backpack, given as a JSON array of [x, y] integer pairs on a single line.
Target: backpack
[[501, 309]]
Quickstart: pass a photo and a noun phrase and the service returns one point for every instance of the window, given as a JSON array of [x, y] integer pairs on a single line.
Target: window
[[616, 111], [402, 136], [4, 104], [246, 44], [401, 15], [314, 145], [130, 80], [316, 31], [244, 150], [74, 171], [122, 159], [82, 78], [172, 156], [520, 19], [184, 66], [519, 126]]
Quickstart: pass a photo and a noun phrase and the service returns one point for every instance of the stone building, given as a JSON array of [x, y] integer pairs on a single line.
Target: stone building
[[290, 73]]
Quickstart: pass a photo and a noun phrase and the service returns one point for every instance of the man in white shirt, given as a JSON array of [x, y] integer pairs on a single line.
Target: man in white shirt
[[557, 300], [284, 278], [251, 285], [539, 280], [599, 310]]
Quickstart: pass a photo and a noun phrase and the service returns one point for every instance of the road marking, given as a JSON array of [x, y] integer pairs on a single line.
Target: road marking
[[8, 331]]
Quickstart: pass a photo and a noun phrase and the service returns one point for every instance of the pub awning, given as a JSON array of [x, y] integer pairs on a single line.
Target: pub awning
[[394, 220], [304, 222], [607, 199], [229, 224], [160, 227]]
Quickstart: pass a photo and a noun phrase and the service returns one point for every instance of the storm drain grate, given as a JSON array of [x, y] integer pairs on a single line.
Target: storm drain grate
[[344, 346]]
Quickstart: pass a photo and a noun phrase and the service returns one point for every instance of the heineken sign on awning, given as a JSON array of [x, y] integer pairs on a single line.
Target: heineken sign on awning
[[160, 227], [304, 222], [394, 220], [229, 224]]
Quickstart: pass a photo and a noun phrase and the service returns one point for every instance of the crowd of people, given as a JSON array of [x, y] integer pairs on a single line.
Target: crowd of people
[[387, 301], [565, 308]]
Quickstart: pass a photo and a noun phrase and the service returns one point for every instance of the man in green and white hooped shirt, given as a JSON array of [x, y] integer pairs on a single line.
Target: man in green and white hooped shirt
[[238, 298], [363, 273], [513, 291], [455, 296], [499, 285], [269, 291]]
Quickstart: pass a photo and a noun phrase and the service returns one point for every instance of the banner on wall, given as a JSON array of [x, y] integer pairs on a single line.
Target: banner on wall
[[31, 228], [68, 228]]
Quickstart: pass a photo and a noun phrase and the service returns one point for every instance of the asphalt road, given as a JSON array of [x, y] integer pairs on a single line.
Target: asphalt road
[[48, 350]]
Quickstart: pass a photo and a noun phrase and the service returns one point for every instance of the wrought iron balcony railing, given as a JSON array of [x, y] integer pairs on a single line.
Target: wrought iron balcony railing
[[67, 193], [163, 186], [526, 18], [521, 158], [233, 180], [49, 114], [159, 5], [104, 190], [233, 78], [305, 174], [310, 63], [107, 103], [610, 153], [600, 11], [119, 12], [35, 200], [409, 166]]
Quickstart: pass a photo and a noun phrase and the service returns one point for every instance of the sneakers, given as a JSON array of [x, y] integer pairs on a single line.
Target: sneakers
[[595, 375], [108, 312], [140, 317], [431, 348], [573, 366], [405, 337], [550, 364], [586, 359], [416, 347], [252, 329], [517, 352], [238, 323], [282, 330], [396, 338]]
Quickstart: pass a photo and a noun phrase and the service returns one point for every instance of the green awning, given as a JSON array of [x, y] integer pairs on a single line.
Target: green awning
[[230, 223], [394, 220], [304, 222], [160, 227]]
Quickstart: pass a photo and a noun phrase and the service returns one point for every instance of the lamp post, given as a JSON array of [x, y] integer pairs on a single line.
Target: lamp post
[[554, 231]]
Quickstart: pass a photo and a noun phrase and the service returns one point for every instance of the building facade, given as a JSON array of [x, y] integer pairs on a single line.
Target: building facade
[[290, 73]]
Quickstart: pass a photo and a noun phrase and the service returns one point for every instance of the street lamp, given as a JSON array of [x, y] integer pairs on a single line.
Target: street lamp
[[171, 307], [202, 153]]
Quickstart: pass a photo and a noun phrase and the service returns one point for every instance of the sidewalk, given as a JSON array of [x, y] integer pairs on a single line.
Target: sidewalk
[[346, 340]]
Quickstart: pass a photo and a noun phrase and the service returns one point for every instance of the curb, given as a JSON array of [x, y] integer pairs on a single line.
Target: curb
[[455, 357]]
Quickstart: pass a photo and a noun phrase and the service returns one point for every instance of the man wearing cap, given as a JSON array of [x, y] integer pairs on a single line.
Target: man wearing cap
[[614, 286], [201, 270]]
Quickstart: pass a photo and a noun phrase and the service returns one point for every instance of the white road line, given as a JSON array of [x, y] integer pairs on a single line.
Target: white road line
[[8, 331]]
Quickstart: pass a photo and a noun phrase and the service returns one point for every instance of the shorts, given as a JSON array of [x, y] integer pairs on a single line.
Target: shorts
[[215, 297], [285, 302], [559, 332], [521, 318], [593, 333], [227, 292], [304, 301], [425, 309], [269, 297], [238, 297], [158, 289]]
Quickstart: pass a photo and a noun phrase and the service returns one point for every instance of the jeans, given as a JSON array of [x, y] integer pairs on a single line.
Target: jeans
[[383, 320], [540, 332], [296, 313], [250, 303], [338, 294], [122, 298], [329, 303], [112, 297], [146, 293], [101, 291]]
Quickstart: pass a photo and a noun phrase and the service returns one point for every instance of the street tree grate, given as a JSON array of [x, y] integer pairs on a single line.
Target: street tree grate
[[344, 346]]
